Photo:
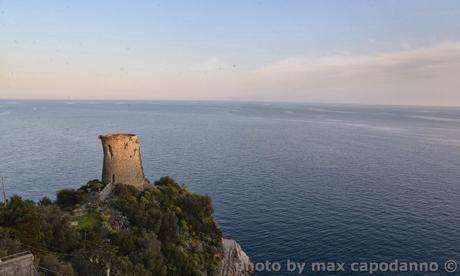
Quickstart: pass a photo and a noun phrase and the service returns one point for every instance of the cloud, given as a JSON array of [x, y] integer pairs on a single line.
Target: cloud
[[427, 76], [406, 46], [414, 76], [209, 65]]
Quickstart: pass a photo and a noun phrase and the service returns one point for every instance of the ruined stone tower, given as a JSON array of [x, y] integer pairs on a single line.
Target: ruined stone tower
[[122, 160]]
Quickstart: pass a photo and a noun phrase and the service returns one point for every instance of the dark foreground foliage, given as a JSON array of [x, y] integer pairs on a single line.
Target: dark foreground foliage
[[162, 230]]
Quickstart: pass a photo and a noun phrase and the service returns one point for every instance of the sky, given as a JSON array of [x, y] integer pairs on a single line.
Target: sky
[[365, 52]]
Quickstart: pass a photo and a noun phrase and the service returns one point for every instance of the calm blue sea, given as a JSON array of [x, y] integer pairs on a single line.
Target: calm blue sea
[[305, 182]]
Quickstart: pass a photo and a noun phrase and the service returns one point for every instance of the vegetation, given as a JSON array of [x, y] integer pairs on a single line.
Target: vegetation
[[162, 230], [87, 221]]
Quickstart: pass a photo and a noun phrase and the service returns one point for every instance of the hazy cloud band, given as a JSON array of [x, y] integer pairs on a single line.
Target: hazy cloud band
[[427, 76]]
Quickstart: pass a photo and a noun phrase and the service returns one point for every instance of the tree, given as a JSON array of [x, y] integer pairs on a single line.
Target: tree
[[162, 230], [68, 198]]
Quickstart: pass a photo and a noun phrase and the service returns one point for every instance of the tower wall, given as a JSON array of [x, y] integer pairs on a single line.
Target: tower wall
[[122, 159]]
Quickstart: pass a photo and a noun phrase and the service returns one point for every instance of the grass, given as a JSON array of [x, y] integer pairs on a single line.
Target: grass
[[88, 221]]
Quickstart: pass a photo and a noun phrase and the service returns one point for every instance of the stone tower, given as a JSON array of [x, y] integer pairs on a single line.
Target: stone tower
[[122, 160]]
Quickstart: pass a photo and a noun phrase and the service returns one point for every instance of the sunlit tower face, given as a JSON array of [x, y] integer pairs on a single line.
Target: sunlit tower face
[[122, 160]]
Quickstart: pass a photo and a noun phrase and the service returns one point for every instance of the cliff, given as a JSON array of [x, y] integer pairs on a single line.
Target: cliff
[[161, 230], [235, 262], [123, 224]]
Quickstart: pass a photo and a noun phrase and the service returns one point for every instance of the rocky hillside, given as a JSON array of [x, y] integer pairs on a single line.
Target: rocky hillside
[[234, 262], [161, 230]]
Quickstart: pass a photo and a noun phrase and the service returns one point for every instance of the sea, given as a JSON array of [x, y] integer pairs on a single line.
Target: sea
[[297, 183]]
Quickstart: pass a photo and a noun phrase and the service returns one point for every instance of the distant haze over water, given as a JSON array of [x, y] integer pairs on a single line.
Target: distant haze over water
[[305, 182]]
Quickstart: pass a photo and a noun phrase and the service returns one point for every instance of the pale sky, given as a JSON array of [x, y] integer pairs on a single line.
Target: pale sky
[[376, 52]]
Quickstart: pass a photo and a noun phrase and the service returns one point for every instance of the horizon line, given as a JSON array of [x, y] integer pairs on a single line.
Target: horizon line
[[229, 101]]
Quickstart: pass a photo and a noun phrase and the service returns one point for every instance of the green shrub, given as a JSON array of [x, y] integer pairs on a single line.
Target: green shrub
[[69, 198], [162, 230]]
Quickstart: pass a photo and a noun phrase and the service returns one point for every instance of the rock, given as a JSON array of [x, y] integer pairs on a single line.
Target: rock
[[234, 262], [21, 264]]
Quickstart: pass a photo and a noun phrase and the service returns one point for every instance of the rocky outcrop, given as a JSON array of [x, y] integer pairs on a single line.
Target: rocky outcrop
[[21, 264], [234, 262], [123, 164]]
